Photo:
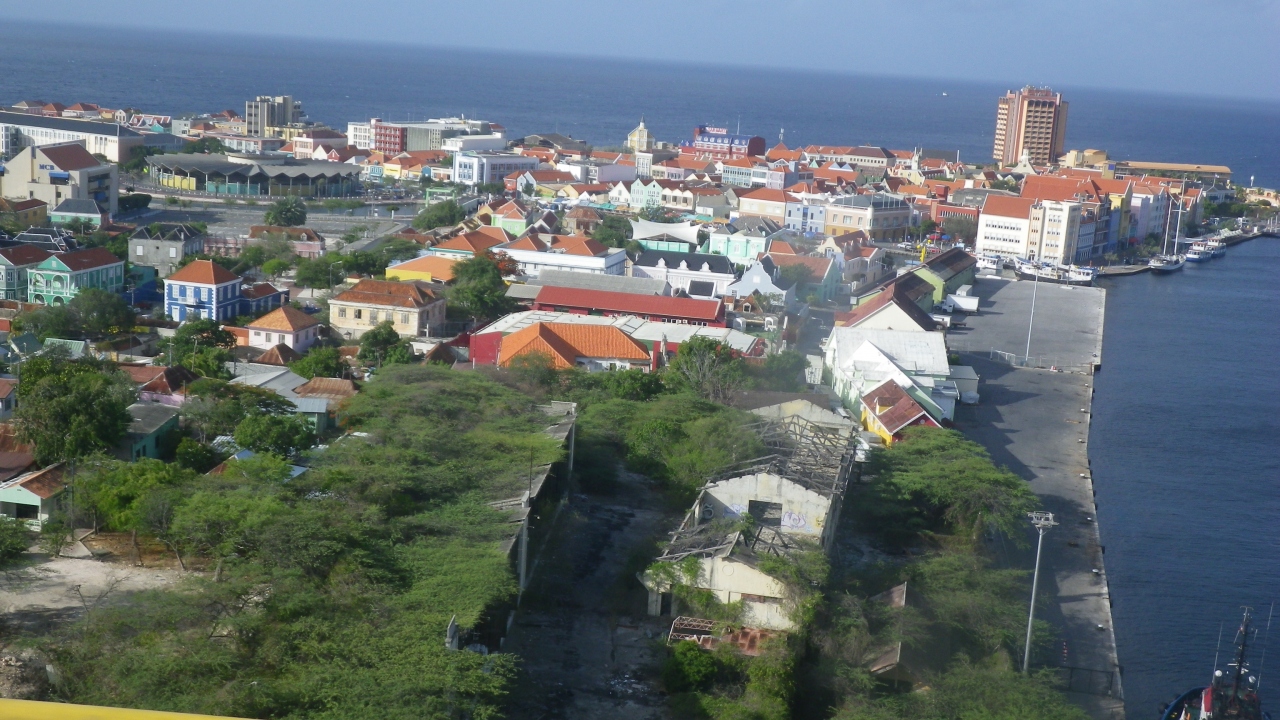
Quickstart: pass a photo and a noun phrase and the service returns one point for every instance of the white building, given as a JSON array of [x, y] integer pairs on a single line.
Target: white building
[[284, 326], [477, 143], [58, 172], [1017, 227], [111, 140], [360, 135], [478, 168], [861, 358], [575, 253], [702, 276]]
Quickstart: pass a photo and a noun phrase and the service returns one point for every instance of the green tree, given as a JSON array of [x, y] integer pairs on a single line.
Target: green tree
[[441, 214], [15, 538], [321, 272], [384, 346], [99, 312], [478, 288], [118, 491], [960, 228], [286, 212], [49, 321], [281, 435], [801, 275], [71, 409], [320, 362], [201, 346], [614, 231], [275, 267], [196, 455], [783, 372], [710, 368]]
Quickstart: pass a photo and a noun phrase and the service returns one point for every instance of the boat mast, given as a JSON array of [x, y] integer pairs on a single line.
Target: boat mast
[[1240, 650]]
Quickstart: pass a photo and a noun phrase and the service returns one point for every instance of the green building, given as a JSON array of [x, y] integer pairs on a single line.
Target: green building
[[16, 263], [61, 277], [948, 272]]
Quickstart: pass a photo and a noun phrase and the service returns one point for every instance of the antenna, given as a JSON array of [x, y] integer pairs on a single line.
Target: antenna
[[1217, 649], [1262, 661]]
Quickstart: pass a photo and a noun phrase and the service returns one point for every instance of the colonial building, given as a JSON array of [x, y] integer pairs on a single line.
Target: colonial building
[[413, 308], [59, 278], [202, 290]]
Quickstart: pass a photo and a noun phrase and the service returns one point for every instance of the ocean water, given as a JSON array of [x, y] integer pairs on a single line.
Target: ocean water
[[601, 100], [1186, 467]]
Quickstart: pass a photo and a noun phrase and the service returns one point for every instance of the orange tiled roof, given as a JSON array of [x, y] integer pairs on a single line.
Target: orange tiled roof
[[205, 272], [388, 293], [477, 241], [285, 317], [566, 342], [440, 267]]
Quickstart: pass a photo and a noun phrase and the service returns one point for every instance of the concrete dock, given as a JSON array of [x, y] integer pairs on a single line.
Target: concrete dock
[[1036, 423]]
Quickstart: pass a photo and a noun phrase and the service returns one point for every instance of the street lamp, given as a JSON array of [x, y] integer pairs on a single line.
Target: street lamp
[[1043, 521]]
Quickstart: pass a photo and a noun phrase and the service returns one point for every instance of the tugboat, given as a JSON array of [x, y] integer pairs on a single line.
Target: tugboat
[[1233, 694]]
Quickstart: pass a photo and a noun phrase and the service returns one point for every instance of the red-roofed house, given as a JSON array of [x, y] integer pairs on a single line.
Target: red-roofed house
[[685, 311], [887, 410], [568, 345], [32, 497], [61, 277], [476, 241], [543, 182]]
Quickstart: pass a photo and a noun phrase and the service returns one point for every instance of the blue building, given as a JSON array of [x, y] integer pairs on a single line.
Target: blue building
[[202, 290]]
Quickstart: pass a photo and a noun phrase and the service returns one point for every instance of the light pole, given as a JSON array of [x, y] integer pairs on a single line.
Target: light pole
[[1032, 323], [1043, 521]]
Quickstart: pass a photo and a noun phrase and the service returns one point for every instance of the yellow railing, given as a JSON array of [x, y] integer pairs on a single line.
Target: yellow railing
[[32, 710]]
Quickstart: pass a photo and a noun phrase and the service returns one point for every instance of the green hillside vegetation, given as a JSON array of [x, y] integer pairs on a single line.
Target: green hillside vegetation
[[326, 595]]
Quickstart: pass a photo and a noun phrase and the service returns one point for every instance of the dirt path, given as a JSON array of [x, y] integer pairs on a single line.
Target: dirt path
[[54, 590]]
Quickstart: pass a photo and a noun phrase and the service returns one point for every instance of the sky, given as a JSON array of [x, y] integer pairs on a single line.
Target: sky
[[1224, 48]]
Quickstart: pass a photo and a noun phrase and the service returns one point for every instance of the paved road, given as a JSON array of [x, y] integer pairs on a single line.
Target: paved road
[[1036, 423]]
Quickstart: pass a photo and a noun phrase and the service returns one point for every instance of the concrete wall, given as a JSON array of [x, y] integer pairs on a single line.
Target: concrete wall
[[804, 512]]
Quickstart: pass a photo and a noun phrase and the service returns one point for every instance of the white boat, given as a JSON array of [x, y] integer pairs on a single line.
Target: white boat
[[990, 262], [1060, 274], [1199, 253], [1167, 263], [1216, 247]]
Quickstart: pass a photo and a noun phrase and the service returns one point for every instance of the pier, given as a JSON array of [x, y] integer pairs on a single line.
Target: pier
[[1035, 421]]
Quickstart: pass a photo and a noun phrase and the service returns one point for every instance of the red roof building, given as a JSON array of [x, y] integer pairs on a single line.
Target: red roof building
[[657, 308]]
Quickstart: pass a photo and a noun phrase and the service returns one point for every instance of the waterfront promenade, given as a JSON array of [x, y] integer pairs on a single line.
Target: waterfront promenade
[[1036, 423]]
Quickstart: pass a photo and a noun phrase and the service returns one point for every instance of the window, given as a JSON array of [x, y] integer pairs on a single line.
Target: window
[[138, 251], [373, 316], [173, 252], [342, 312], [404, 318], [358, 313], [765, 513]]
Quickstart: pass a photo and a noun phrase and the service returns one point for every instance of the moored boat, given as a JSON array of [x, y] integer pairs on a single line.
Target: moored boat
[[1216, 247], [990, 262], [1198, 252], [1167, 263], [1058, 274]]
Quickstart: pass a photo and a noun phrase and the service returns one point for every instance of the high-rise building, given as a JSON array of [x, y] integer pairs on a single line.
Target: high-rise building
[[1030, 120], [271, 112]]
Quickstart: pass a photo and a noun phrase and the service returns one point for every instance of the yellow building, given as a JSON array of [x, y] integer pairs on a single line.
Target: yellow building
[[431, 268], [24, 213]]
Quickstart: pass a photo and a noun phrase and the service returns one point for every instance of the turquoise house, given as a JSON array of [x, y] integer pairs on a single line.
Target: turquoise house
[[151, 422], [61, 277]]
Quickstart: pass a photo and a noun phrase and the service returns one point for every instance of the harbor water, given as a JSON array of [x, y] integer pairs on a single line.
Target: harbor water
[[1185, 452]]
